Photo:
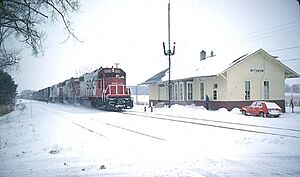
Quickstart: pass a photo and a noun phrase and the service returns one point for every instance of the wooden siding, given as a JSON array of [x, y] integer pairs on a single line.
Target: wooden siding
[[215, 105], [256, 69]]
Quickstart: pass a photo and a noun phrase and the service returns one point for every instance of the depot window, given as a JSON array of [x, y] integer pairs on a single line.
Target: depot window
[[215, 91], [201, 91], [266, 90], [181, 91], [189, 91], [247, 90], [176, 91]]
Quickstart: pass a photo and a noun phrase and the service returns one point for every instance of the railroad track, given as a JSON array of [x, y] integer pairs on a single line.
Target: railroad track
[[96, 132], [86, 127], [127, 129], [251, 128], [260, 129]]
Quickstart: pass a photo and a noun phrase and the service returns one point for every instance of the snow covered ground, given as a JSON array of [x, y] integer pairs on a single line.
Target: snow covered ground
[[40, 139]]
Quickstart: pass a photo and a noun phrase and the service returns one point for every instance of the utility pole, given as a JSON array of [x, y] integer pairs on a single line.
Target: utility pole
[[169, 53]]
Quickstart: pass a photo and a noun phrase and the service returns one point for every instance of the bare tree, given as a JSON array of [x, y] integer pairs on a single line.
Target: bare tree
[[21, 20], [83, 70], [8, 59]]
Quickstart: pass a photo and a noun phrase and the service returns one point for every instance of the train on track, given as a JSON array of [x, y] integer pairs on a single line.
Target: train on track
[[104, 88]]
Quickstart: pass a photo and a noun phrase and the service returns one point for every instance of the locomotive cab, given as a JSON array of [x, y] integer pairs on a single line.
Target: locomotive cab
[[111, 88]]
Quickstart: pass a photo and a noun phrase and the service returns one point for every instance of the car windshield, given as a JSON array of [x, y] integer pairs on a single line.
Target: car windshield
[[259, 104]]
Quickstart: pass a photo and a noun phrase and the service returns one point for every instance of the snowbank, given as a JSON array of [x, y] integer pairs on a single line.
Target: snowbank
[[64, 140]]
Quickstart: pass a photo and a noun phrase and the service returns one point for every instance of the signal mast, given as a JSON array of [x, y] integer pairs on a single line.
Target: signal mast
[[169, 53]]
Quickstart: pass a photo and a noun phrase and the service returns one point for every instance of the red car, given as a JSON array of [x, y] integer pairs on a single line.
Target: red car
[[262, 109]]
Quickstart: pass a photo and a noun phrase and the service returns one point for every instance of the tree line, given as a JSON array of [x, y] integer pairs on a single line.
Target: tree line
[[295, 88], [21, 27]]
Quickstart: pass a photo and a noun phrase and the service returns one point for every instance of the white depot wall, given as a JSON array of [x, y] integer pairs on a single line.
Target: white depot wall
[[153, 91], [257, 69]]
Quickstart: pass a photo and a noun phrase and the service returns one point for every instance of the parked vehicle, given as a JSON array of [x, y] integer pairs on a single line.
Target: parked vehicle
[[262, 109]]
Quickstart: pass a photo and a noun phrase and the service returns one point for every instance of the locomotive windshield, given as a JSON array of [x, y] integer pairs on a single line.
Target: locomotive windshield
[[111, 72], [117, 75]]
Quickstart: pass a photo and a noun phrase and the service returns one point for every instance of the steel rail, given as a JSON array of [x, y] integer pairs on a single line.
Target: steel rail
[[212, 125]]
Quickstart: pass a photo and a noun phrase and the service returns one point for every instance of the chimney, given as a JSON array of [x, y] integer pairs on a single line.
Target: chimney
[[202, 55], [212, 53]]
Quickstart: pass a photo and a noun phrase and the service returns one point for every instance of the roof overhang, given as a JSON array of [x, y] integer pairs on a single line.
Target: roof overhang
[[289, 73], [157, 78]]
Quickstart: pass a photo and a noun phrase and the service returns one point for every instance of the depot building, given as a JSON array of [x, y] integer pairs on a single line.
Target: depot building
[[230, 83]]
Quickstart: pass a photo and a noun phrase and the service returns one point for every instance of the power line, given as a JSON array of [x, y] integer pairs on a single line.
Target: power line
[[291, 59], [287, 48], [266, 29], [263, 36], [284, 28], [267, 33]]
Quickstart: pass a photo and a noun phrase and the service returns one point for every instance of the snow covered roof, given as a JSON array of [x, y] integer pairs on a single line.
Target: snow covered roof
[[156, 78], [212, 66]]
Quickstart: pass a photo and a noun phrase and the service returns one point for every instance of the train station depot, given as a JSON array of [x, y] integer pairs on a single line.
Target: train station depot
[[227, 83]]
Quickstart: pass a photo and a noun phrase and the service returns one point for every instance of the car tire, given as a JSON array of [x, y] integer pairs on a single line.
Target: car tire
[[261, 114], [243, 112]]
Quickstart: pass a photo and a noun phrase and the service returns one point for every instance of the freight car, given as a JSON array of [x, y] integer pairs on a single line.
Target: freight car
[[42, 95], [103, 88]]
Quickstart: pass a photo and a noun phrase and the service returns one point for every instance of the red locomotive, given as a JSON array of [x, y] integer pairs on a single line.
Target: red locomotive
[[106, 88], [103, 88]]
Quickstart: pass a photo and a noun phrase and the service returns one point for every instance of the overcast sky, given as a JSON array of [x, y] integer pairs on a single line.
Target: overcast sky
[[131, 32]]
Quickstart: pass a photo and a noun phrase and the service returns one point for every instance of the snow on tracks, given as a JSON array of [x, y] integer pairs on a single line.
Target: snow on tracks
[[129, 130], [86, 126], [260, 129]]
